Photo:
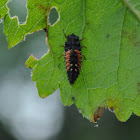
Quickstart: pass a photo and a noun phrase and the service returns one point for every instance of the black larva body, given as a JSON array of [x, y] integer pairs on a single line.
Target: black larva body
[[73, 57]]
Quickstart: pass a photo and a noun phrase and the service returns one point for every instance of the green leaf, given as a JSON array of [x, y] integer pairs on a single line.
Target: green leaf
[[31, 62], [134, 6], [110, 75], [36, 20], [3, 8]]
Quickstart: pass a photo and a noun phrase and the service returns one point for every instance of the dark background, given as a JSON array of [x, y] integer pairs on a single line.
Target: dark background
[[25, 116]]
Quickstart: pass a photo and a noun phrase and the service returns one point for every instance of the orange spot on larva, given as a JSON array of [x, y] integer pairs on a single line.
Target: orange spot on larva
[[68, 52], [77, 51], [67, 64], [79, 56], [68, 68], [79, 64], [67, 56], [67, 60]]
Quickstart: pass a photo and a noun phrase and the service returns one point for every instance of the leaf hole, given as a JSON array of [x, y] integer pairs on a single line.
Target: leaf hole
[[19, 9], [1, 21], [53, 16]]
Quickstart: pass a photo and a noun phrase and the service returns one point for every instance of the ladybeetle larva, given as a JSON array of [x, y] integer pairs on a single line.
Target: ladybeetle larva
[[73, 57]]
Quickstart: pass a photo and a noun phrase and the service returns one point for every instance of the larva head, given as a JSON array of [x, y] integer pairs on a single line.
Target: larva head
[[73, 37]]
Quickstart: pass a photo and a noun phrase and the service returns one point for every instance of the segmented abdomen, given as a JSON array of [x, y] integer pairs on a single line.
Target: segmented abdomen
[[73, 64]]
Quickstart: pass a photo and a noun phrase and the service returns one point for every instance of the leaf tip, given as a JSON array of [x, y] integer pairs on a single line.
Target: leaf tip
[[98, 113], [10, 46], [31, 62], [42, 96]]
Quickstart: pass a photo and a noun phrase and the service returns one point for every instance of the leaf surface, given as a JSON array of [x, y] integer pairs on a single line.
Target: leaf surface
[[110, 75], [3, 8], [35, 20]]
